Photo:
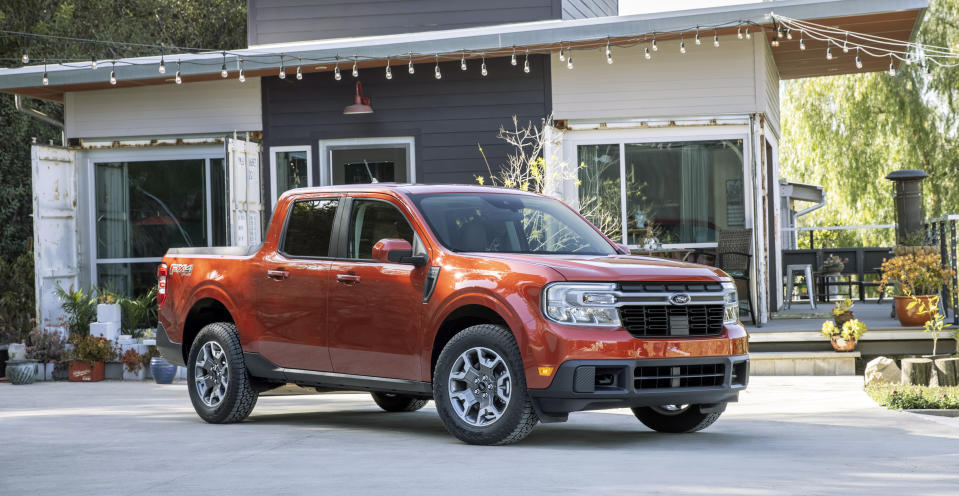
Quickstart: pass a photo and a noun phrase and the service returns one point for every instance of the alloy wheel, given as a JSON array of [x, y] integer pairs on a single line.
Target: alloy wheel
[[211, 374], [480, 386]]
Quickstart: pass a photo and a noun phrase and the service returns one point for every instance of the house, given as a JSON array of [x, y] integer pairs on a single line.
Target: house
[[669, 119]]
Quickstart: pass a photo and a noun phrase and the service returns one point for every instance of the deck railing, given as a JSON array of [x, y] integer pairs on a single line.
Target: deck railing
[[942, 231]]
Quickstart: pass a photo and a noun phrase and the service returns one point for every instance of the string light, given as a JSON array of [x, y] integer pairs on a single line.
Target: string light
[[436, 69], [177, 78], [389, 72], [698, 41], [299, 69], [562, 54], [241, 76], [802, 42], [716, 39], [845, 44], [483, 70], [682, 45], [858, 60], [45, 80], [336, 69], [646, 53], [526, 62], [223, 72], [93, 63], [282, 74], [162, 68], [739, 32], [569, 60], [789, 34], [463, 61], [356, 70], [609, 53], [512, 59], [655, 46], [113, 74], [892, 67], [411, 70], [829, 53], [25, 58], [748, 36]]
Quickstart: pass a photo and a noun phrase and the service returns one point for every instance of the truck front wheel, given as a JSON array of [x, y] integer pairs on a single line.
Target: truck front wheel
[[219, 385], [677, 418], [479, 387]]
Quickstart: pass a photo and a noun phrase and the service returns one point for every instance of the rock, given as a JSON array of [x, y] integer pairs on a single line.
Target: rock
[[882, 369]]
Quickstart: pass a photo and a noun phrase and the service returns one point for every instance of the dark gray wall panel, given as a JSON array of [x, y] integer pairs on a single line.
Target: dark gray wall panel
[[277, 21], [447, 117]]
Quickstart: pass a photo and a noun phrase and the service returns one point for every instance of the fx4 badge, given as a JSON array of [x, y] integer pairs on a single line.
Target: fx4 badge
[[679, 299], [182, 269]]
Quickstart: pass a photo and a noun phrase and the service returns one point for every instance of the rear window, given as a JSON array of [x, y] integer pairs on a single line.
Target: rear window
[[309, 228]]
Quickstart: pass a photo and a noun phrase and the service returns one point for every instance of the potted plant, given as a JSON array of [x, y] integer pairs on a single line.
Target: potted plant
[[833, 265], [162, 370], [47, 347], [21, 371], [139, 314], [842, 312], [935, 321], [88, 357], [844, 338], [133, 369], [81, 310], [917, 272]]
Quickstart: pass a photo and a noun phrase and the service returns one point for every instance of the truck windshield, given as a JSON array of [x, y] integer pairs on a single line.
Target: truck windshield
[[508, 223]]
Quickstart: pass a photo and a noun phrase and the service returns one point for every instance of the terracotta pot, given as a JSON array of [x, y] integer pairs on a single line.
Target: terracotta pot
[[86, 371], [842, 318], [840, 344], [911, 317]]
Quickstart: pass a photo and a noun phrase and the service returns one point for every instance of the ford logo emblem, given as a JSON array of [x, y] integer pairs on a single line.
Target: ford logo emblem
[[679, 299]]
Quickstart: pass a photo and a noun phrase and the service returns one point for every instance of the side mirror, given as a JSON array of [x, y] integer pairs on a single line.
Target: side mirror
[[392, 250], [623, 248]]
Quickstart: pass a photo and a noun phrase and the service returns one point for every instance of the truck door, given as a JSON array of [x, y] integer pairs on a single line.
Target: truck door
[[375, 309], [292, 284]]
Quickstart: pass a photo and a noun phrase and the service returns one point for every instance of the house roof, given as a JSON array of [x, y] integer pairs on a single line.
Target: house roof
[[897, 19]]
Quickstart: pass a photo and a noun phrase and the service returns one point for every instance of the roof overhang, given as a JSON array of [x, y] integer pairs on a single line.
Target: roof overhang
[[891, 18]]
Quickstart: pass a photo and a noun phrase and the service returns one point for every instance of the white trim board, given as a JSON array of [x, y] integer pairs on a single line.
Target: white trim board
[[274, 195], [327, 146]]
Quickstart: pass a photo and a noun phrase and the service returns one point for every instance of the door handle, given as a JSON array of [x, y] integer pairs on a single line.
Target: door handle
[[278, 274], [348, 278]]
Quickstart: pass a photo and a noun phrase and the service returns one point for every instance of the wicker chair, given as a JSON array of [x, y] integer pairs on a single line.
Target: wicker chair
[[734, 255]]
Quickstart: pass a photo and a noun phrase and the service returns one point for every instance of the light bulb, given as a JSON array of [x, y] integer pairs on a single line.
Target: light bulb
[[609, 54], [282, 73], [356, 70], [845, 47], [93, 62], [892, 67], [336, 72], [775, 41], [46, 80], [241, 77], [829, 53], [789, 34], [389, 72], [646, 53], [748, 36], [463, 62], [162, 67], [25, 58], [802, 44], [739, 32], [562, 55], [177, 78], [299, 73], [682, 46], [512, 59], [716, 40], [436, 70], [223, 72], [483, 70], [698, 41], [569, 61], [526, 64], [655, 46], [410, 69], [858, 62], [113, 78]]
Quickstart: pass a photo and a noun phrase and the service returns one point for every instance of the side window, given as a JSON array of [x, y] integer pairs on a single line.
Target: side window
[[372, 221], [309, 228]]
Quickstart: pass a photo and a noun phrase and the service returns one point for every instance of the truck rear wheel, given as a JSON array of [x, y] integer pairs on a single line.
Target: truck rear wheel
[[677, 418], [393, 402], [219, 385], [479, 387]]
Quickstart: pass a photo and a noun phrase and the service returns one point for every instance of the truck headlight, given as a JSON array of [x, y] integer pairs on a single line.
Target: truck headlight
[[731, 303], [581, 304]]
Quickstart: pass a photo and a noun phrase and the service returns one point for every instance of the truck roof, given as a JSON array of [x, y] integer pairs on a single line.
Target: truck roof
[[408, 189]]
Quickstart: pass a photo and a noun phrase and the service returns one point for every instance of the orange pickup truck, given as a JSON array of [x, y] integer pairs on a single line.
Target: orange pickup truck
[[505, 308]]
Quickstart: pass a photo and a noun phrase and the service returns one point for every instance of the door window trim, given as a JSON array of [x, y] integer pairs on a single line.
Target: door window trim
[[345, 228], [328, 146], [274, 150], [331, 250]]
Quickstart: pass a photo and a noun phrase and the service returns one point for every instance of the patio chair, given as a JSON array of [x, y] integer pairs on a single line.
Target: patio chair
[[734, 254]]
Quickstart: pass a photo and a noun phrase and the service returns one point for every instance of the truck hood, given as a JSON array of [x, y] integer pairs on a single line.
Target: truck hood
[[617, 267]]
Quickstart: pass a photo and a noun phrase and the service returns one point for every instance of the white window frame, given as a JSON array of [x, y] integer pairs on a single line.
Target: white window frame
[[93, 157], [622, 137], [274, 150], [328, 146]]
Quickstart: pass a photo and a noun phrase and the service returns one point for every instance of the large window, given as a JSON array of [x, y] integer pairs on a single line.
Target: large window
[[143, 208], [665, 193], [292, 168]]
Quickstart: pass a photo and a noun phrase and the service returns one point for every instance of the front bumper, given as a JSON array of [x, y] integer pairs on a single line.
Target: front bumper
[[600, 384]]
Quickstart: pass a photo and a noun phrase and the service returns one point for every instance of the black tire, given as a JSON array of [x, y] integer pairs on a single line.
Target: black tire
[[240, 396], [393, 402], [518, 417], [691, 419]]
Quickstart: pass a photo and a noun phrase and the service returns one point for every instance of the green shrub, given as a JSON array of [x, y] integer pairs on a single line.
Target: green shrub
[[909, 397], [81, 310], [17, 305]]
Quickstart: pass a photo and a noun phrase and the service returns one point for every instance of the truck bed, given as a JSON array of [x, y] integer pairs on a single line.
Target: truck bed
[[215, 251]]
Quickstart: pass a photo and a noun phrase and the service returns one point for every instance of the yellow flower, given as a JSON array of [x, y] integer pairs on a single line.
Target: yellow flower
[[480, 180]]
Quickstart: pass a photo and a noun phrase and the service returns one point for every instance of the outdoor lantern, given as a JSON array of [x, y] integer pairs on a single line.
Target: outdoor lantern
[[361, 104], [910, 214]]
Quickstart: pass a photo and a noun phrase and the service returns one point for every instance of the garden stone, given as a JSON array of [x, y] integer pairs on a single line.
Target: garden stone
[[108, 312], [882, 370]]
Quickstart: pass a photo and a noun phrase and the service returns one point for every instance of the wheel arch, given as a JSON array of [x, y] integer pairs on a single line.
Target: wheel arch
[[206, 310], [460, 318]]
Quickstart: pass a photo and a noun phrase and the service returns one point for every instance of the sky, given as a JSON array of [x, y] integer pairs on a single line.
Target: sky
[[627, 7]]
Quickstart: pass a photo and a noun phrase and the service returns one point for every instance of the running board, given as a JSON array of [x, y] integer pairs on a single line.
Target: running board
[[260, 367]]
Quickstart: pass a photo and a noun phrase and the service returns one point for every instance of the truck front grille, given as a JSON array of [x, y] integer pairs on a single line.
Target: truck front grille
[[680, 376], [644, 321]]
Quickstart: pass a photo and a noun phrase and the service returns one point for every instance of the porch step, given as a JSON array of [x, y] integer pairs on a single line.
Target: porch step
[[803, 363]]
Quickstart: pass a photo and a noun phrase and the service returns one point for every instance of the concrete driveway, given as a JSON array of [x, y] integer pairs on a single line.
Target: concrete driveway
[[788, 435]]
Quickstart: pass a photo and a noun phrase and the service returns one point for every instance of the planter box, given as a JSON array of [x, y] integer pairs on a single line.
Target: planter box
[[45, 371], [113, 371], [109, 330], [86, 371], [108, 312]]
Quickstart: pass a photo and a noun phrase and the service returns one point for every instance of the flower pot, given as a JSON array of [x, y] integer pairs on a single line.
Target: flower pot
[[45, 371], [86, 371], [113, 371], [139, 375], [163, 371], [61, 371], [910, 317], [840, 344], [842, 318], [21, 371]]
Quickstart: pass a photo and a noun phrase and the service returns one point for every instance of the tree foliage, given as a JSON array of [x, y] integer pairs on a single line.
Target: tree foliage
[[215, 24], [847, 132]]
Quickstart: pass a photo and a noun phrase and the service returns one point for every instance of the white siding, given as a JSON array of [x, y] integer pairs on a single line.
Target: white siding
[[191, 108], [768, 78], [706, 81]]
